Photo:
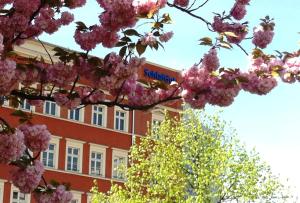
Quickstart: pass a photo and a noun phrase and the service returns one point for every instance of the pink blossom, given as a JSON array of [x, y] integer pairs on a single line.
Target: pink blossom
[[60, 74], [27, 178], [211, 60], [7, 70], [145, 7], [243, 1], [1, 43], [66, 18], [182, 3], [76, 3], [238, 11], [166, 36], [54, 195], [148, 39], [258, 85], [261, 37], [63, 100], [11, 146], [36, 137]]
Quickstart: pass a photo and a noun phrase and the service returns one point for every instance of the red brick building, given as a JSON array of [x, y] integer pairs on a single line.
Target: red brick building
[[89, 143]]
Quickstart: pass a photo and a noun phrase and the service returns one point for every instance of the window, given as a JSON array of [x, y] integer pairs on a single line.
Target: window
[[121, 120], [157, 117], [76, 114], [51, 108], [25, 105], [74, 155], [48, 156], [73, 159], [119, 164], [98, 115], [4, 100], [18, 197], [97, 160], [76, 197]]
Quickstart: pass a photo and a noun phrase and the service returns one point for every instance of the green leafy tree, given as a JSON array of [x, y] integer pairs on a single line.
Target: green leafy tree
[[196, 158]]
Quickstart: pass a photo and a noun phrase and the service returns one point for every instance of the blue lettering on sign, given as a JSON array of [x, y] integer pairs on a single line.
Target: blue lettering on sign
[[158, 76]]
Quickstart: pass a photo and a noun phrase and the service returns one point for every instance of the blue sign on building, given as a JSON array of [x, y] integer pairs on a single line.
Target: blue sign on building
[[158, 76]]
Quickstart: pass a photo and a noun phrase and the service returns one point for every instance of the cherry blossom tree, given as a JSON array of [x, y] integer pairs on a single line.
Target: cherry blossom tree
[[206, 82]]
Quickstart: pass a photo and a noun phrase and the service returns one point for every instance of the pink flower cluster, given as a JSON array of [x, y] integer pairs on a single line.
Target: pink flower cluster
[[36, 137], [11, 146], [240, 30], [7, 72], [29, 20], [262, 37], [27, 178], [182, 3], [211, 60], [239, 9], [54, 195], [166, 36], [148, 39], [60, 75], [144, 7]]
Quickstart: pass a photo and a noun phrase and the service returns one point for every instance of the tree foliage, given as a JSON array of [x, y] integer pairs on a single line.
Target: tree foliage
[[194, 159]]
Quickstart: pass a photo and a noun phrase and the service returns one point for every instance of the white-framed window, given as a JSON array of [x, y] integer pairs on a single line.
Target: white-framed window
[[18, 197], [97, 160], [25, 106], [157, 117], [77, 114], [1, 190], [99, 115], [74, 151], [50, 156], [76, 196], [4, 100], [121, 119], [119, 163], [51, 108]]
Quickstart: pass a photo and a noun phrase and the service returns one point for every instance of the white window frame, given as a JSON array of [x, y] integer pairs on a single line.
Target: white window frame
[[99, 149], [54, 140], [76, 196], [15, 189], [126, 118], [1, 190], [157, 115], [119, 153], [104, 116], [57, 109], [5, 102], [74, 144], [81, 114], [24, 102]]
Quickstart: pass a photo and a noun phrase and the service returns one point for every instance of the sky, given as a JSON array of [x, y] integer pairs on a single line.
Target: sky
[[269, 123]]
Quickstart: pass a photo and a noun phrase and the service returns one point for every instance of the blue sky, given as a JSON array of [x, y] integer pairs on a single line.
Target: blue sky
[[268, 123]]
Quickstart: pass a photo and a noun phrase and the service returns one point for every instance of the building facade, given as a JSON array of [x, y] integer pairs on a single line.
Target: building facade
[[88, 143]]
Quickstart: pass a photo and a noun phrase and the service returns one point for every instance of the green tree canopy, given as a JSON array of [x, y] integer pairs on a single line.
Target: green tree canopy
[[196, 158]]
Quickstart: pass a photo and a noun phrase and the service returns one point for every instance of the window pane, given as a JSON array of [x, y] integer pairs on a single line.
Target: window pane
[[121, 124], [99, 119], [47, 107], [117, 123], [51, 147], [94, 118], [75, 151], [53, 109]]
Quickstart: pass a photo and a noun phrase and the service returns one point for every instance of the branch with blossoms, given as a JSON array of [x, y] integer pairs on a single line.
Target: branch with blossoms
[[77, 79]]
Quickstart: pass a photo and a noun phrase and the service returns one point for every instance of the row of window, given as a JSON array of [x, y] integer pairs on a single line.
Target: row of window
[[17, 197], [74, 157], [98, 114]]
